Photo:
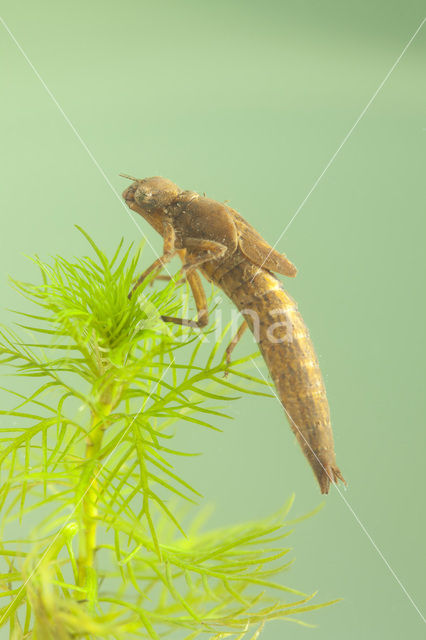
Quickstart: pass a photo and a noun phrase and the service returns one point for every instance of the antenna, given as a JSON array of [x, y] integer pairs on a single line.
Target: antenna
[[125, 175]]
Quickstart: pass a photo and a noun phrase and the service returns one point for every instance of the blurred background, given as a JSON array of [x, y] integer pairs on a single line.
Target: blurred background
[[248, 101]]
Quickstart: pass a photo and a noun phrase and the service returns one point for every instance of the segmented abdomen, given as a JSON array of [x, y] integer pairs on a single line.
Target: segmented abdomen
[[289, 354]]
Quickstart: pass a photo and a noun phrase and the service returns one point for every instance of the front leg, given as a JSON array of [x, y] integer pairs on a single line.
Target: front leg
[[169, 251]]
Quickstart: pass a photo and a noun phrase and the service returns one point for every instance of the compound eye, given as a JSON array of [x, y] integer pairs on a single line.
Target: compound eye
[[141, 195]]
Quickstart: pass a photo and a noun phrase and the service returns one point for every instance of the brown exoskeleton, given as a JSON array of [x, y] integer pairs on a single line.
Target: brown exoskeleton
[[214, 239]]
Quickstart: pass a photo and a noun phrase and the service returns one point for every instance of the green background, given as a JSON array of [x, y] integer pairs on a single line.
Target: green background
[[248, 101]]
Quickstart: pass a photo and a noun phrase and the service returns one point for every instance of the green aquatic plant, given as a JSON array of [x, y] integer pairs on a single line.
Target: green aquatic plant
[[95, 542]]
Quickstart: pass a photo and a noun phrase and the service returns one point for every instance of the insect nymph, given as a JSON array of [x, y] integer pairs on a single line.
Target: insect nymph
[[214, 239]]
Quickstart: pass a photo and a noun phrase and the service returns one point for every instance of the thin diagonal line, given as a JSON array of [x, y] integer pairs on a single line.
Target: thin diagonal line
[[347, 504], [345, 139], [78, 136], [82, 497]]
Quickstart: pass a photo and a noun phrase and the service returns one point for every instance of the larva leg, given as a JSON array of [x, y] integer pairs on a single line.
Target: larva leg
[[182, 254], [166, 279], [201, 251], [197, 289], [169, 251], [235, 340]]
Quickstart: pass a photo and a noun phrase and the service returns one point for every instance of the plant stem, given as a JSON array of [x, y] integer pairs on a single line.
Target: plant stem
[[94, 441]]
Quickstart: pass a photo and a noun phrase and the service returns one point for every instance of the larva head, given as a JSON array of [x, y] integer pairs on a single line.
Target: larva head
[[151, 194]]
